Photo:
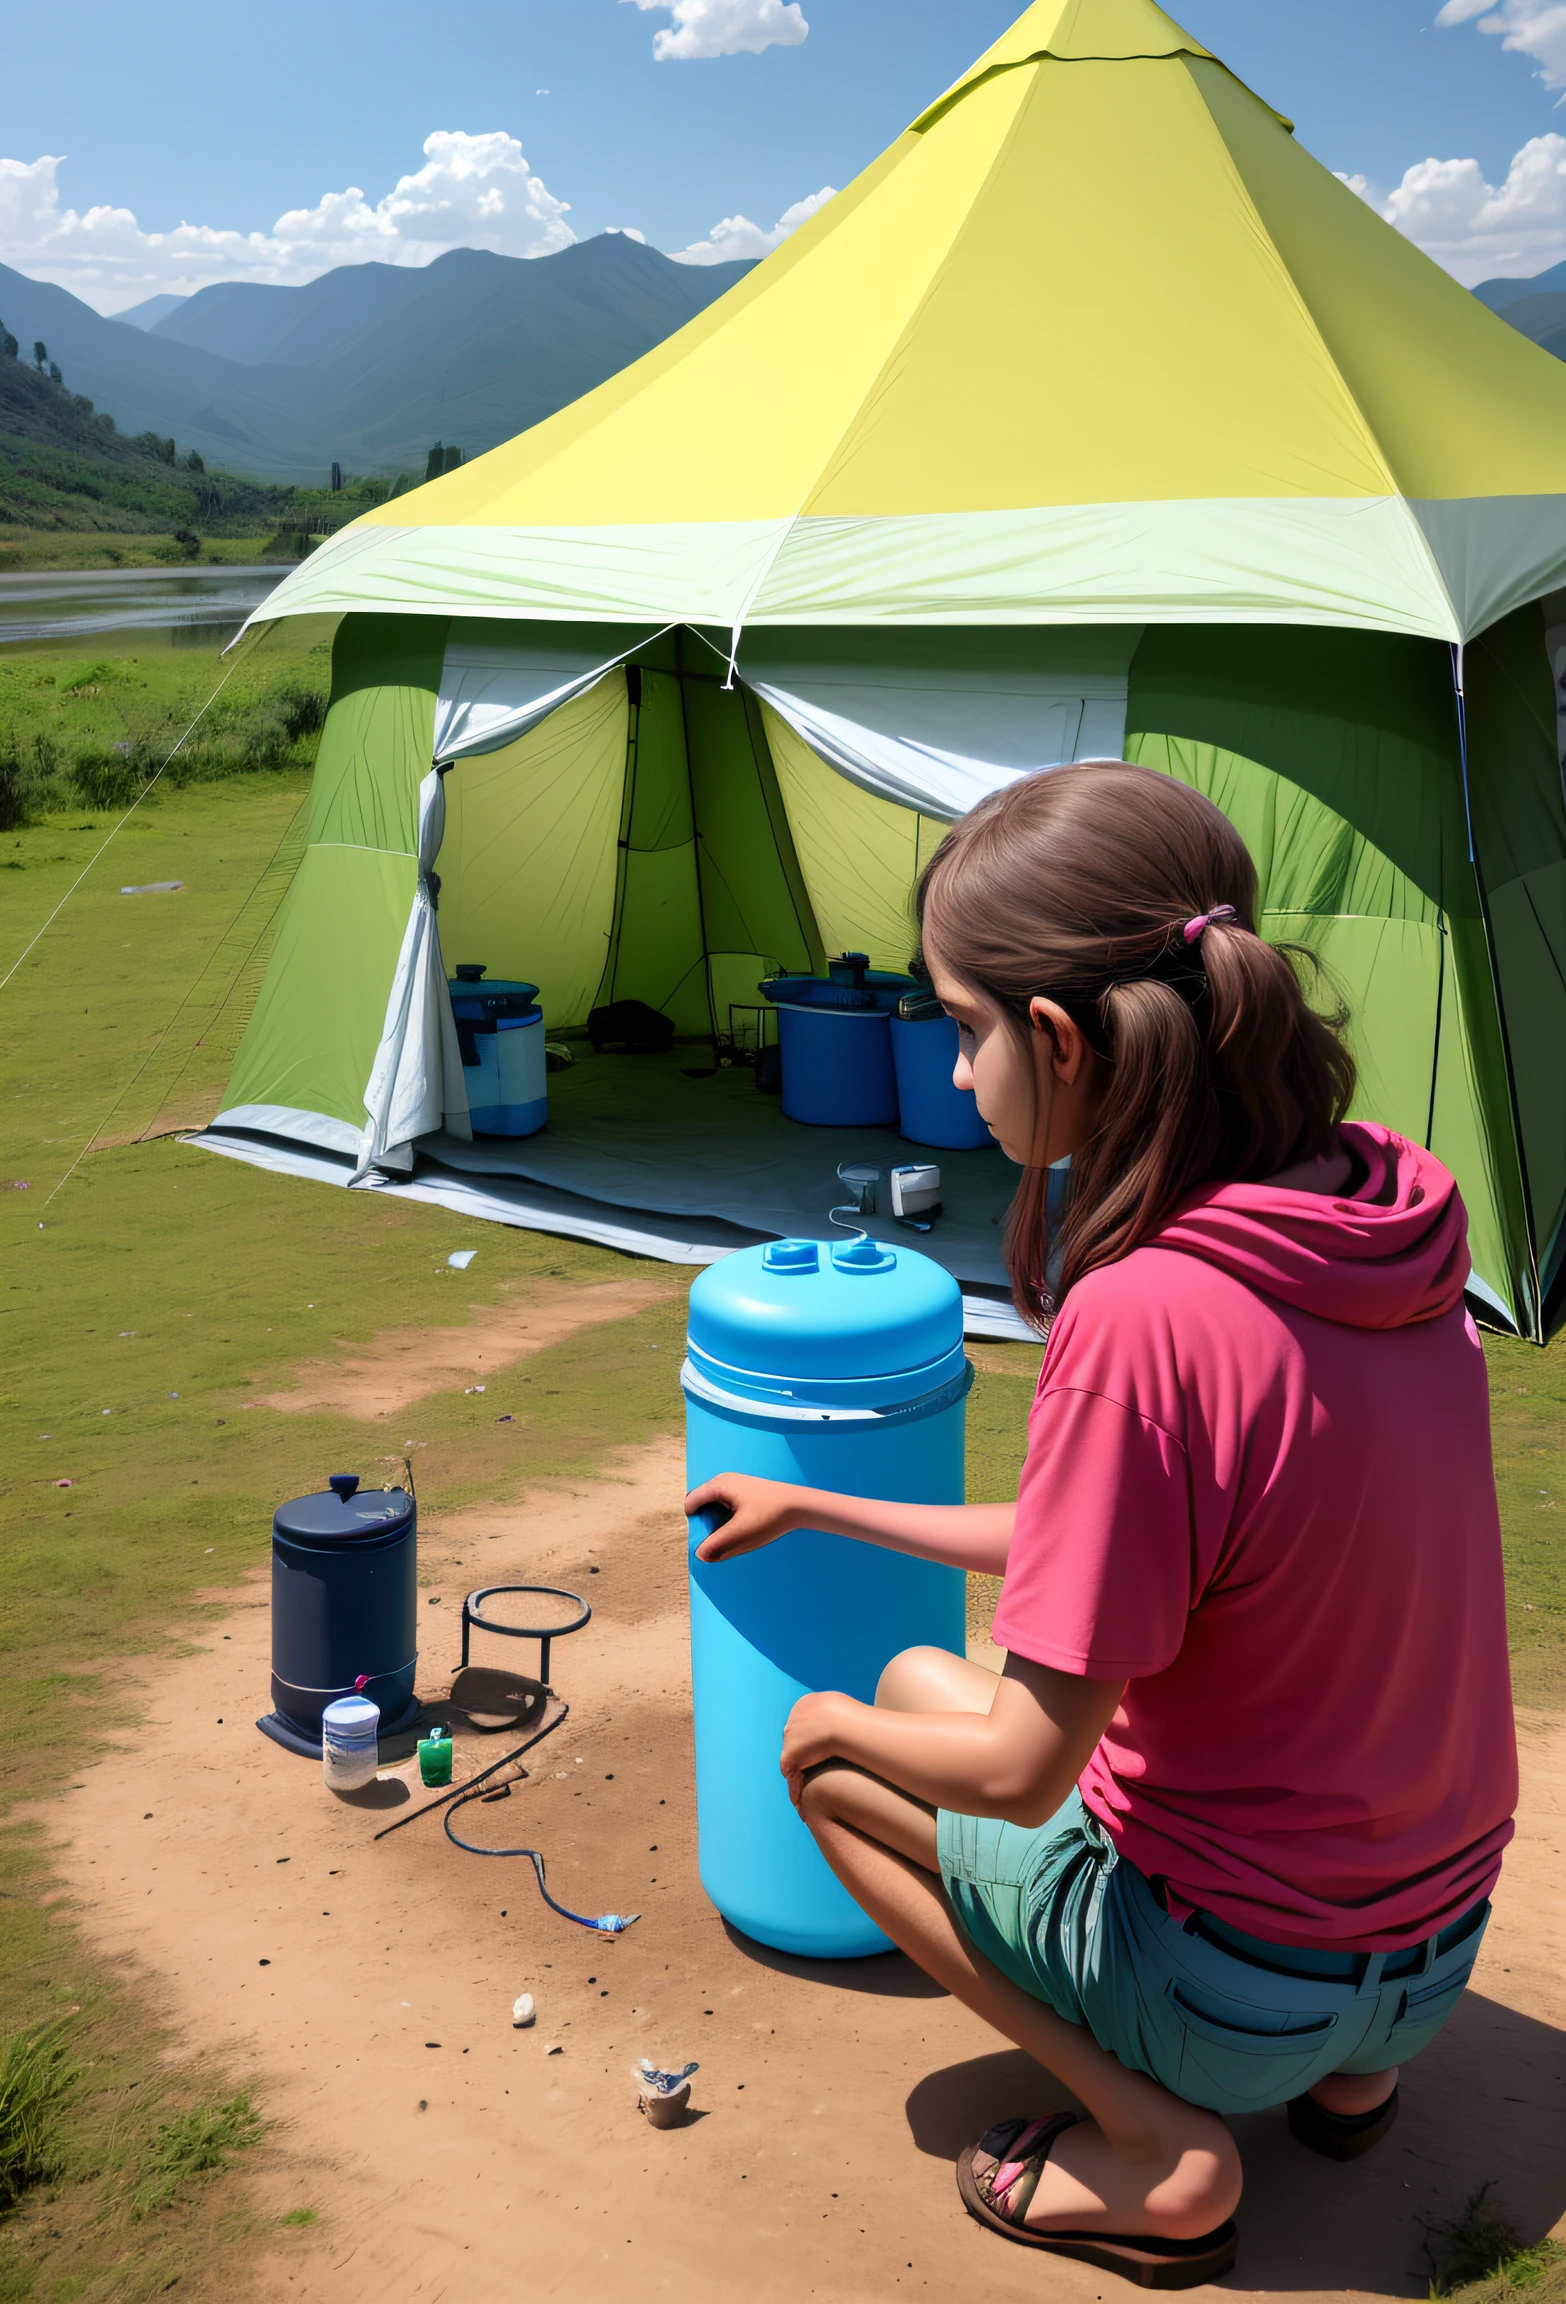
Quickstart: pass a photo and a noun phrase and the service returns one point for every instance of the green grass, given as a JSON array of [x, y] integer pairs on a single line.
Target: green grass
[[85, 724], [1477, 2257], [36, 2077], [24, 549], [200, 2142]]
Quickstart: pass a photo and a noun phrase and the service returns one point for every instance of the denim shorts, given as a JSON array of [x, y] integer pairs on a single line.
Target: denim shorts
[[1217, 2017]]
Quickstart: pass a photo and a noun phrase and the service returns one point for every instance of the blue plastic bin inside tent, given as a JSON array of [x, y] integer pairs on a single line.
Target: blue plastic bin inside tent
[[834, 1032], [501, 1031], [931, 1110], [839, 1366]]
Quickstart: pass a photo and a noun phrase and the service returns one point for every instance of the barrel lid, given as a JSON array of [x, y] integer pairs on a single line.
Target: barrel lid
[[331, 1519], [874, 990], [815, 1312]]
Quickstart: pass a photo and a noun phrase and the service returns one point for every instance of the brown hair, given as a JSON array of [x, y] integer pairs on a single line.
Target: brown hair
[[1077, 884]]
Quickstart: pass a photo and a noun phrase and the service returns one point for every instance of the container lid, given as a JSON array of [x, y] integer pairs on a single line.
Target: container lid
[[848, 1321], [871, 989], [330, 1519], [349, 1713]]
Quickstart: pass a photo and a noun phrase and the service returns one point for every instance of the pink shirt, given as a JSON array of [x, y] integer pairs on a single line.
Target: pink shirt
[[1258, 1489]]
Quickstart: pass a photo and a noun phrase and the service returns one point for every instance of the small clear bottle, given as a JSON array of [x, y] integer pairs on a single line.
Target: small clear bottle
[[350, 1752]]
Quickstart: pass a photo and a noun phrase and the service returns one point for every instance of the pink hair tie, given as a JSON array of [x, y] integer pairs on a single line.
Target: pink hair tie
[[1194, 930]]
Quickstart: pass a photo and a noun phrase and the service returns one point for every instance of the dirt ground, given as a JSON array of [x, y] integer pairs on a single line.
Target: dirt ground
[[407, 1364], [368, 1990]]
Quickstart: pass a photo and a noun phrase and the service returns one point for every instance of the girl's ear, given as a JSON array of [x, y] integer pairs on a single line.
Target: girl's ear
[[1069, 1050]]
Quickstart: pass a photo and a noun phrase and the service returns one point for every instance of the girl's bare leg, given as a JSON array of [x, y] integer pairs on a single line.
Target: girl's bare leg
[[1144, 2161]]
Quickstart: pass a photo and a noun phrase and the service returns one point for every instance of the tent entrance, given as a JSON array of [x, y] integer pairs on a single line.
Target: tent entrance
[[639, 1155]]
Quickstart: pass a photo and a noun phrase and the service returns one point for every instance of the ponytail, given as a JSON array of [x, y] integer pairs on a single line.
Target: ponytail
[[1130, 900]]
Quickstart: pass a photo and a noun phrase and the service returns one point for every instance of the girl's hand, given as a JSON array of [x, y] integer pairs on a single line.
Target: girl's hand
[[814, 1733], [759, 1511]]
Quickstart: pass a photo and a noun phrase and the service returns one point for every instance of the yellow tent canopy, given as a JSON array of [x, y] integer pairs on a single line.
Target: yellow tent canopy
[[1094, 340]]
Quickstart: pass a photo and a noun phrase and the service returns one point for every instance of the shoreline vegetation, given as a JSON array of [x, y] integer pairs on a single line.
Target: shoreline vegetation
[[84, 728], [75, 492]]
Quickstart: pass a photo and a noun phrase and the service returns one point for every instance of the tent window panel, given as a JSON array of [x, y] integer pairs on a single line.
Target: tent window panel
[[527, 866], [860, 855]]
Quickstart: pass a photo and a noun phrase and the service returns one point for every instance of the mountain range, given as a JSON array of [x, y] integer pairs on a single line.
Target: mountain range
[[369, 364]]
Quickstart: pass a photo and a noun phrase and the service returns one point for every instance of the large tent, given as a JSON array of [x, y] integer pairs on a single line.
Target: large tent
[[1095, 419]]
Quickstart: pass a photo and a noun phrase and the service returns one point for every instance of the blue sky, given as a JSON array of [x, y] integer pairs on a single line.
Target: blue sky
[[167, 113]]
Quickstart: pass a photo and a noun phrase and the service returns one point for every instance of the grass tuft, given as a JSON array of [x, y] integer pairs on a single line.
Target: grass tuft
[[197, 2143], [299, 2217], [36, 2076], [1479, 2257]]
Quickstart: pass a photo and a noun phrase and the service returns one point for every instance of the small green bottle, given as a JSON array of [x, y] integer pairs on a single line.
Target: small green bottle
[[435, 1756]]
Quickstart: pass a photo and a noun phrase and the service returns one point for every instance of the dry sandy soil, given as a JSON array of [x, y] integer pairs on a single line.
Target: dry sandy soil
[[368, 1989]]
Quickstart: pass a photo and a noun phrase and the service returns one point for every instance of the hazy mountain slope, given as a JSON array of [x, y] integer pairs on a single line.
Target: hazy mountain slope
[[148, 313], [1500, 294], [147, 384], [248, 321]]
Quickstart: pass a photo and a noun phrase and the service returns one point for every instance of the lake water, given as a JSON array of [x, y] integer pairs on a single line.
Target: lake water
[[164, 607]]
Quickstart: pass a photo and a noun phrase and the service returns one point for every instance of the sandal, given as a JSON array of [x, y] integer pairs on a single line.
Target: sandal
[[1339, 2135], [999, 2175]]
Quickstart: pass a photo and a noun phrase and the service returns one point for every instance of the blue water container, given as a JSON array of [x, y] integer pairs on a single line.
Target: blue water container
[[841, 1367], [835, 1042], [344, 1608], [924, 1051], [500, 1029]]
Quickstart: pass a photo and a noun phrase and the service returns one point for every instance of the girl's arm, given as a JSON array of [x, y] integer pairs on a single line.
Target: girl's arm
[[1019, 1761], [976, 1536]]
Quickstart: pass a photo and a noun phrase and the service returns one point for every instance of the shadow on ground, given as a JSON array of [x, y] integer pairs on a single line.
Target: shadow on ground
[[1486, 2103]]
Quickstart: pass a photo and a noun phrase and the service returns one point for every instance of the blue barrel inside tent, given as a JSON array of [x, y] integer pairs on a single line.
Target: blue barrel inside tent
[[841, 1367], [500, 1029], [835, 1042], [931, 1109]]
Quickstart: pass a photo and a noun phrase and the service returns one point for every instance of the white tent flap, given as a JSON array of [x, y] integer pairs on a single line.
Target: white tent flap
[[416, 1083], [491, 693], [932, 721]]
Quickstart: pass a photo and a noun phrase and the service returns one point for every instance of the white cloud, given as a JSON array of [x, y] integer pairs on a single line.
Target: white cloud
[[725, 28], [1478, 230], [734, 237], [627, 232], [1535, 28], [474, 191]]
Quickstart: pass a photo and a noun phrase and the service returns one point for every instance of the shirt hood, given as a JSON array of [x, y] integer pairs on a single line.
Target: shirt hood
[[1390, 1253]]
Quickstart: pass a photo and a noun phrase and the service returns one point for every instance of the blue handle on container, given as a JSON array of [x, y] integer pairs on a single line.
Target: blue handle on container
[[343, 1485], [710, 1517]]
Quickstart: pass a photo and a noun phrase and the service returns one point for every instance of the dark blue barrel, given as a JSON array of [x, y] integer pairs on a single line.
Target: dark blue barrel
[[344, 1607], [931, 1109], [836, 1045]]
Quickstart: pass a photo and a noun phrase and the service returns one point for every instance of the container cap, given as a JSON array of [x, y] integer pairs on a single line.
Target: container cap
[[330, 1520], [868, 988], [826, 1321], [350, 1713]]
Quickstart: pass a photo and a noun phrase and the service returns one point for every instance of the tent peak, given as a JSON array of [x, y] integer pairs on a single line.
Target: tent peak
[[1079, 32]]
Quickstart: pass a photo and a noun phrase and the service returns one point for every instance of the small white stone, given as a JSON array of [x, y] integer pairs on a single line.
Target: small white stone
[[523, 2012]]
